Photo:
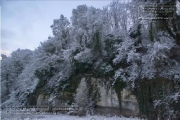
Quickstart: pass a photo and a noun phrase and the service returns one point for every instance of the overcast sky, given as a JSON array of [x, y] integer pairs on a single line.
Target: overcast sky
[[24, 24]]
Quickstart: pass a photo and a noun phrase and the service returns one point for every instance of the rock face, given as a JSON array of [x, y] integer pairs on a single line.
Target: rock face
[[107, 103], [129, 102], [42, 101], [108, 97], [46, 101], [109, 100]]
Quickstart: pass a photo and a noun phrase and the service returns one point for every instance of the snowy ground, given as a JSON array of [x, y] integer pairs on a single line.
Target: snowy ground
[[59, 117]]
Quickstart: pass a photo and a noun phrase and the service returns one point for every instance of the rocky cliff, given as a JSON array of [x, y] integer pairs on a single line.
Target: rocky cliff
[[107, 101]]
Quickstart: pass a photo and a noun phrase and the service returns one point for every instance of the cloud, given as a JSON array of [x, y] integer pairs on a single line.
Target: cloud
[[7, 34]]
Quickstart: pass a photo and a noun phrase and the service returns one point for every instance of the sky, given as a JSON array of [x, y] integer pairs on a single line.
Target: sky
[[26, 23]]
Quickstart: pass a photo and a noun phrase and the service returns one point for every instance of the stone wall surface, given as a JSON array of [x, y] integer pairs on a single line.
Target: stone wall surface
[[129, 102], [108, 99], [42, 101]]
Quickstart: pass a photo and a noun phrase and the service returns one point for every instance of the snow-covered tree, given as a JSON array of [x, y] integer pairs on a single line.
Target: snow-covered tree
[[12, 67], [82, 94], [3, 56], [178, 7], [5, 78], [61, 29]]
